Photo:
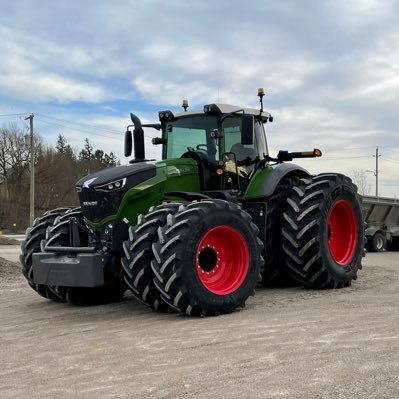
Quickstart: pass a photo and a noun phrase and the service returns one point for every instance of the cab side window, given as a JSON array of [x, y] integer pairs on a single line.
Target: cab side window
[[232, 140]]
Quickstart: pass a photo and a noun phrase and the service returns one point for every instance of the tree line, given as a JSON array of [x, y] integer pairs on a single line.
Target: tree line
[[57, 169]]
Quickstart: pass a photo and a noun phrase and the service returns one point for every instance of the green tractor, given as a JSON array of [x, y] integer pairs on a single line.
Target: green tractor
[[198, 230]]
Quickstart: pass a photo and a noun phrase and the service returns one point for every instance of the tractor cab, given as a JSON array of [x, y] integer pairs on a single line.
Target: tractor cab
[[227, 142], [223, 140]]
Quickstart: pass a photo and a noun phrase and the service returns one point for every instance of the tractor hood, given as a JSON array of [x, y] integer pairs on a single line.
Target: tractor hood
[[101, 193], [136, 172]]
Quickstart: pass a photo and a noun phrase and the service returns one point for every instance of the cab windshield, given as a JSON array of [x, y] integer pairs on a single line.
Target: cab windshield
[[191, 133]]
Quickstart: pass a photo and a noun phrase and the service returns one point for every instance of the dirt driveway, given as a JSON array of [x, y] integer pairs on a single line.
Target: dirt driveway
[[287, 343]]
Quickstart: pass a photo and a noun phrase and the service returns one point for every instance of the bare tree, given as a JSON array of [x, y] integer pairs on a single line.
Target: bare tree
[[360, 179], [56, 172], [15, 155]]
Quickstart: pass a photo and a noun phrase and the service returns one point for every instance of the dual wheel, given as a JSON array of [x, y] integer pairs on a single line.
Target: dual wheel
[[202, 258], [323, 231], [53, 228]]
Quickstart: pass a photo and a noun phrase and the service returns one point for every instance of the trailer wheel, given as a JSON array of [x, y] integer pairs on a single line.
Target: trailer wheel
[[112, 291], [33, 237], [136, 264], [376, 243], [207, 258], [323, 231], [275, 272]]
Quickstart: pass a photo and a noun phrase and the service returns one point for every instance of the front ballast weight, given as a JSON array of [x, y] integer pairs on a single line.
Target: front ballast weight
[[72, 270], [73, 265]]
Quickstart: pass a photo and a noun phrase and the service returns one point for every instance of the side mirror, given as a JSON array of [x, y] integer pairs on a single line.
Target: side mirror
[[215, 134], [128, 143], [247, 129], [138, 137]]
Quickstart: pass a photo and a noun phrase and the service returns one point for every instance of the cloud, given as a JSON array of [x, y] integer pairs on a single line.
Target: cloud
[[330, 68], [42, 71]]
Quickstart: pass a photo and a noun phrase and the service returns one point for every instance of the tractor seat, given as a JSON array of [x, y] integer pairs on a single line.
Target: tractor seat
[[242, 152]]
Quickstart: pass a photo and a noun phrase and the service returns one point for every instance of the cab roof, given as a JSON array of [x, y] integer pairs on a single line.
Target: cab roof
[[217, 108]]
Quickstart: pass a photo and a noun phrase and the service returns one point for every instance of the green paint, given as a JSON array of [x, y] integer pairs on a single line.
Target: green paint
[[171, 175], [258, 181]]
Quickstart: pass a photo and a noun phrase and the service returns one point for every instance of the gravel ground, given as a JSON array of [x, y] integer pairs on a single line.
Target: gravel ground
[[9, 272], [8, 241], [287, 343]]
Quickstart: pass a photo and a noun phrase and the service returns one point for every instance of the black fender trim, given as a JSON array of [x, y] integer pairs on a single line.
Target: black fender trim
[[280, 171]]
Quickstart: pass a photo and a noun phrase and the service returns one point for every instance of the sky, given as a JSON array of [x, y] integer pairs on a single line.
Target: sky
[[330, 70]]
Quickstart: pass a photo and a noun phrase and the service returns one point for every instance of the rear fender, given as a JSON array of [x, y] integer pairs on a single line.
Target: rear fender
[[265, 181]]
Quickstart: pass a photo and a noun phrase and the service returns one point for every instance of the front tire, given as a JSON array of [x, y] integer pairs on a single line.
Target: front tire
[[33, 237], [136, 264], [112, 291], [323, 231], [207, 259]]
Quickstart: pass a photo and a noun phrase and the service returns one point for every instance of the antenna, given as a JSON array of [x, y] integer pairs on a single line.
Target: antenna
[[261, 93]]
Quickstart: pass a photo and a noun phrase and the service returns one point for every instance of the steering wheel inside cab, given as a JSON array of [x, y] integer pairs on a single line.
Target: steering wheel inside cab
[[197, 152]]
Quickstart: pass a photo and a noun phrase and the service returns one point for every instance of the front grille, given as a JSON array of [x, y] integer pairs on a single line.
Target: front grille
[[97, 205]]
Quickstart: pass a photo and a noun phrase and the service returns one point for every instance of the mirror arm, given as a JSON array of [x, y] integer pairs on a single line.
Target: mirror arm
[[231, 113], [156, 126]]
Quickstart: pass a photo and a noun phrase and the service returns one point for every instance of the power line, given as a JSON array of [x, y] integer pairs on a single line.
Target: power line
[[354, 148], [85, 125], [75, 128], [389, 150], [390, 160], [82, 127], [9, 115], [5, 118], [355, 157]]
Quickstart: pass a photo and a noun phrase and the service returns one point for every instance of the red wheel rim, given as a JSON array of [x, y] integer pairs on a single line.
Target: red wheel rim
[[342, 232], [222, 260]]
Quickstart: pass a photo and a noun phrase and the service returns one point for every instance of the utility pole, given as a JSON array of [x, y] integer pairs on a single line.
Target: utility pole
[[32, 171], [376, 171]]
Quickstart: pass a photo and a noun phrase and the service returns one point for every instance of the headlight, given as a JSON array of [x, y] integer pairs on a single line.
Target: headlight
[[115, 185]]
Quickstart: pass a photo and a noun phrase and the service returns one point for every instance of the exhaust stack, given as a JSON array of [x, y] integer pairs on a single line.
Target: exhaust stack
[[138, 141]]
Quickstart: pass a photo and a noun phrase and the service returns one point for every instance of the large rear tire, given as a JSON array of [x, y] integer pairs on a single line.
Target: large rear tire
[[114, 288], [275, 272], [207, 259], [323, 231], [33, 237], [136, 264]]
